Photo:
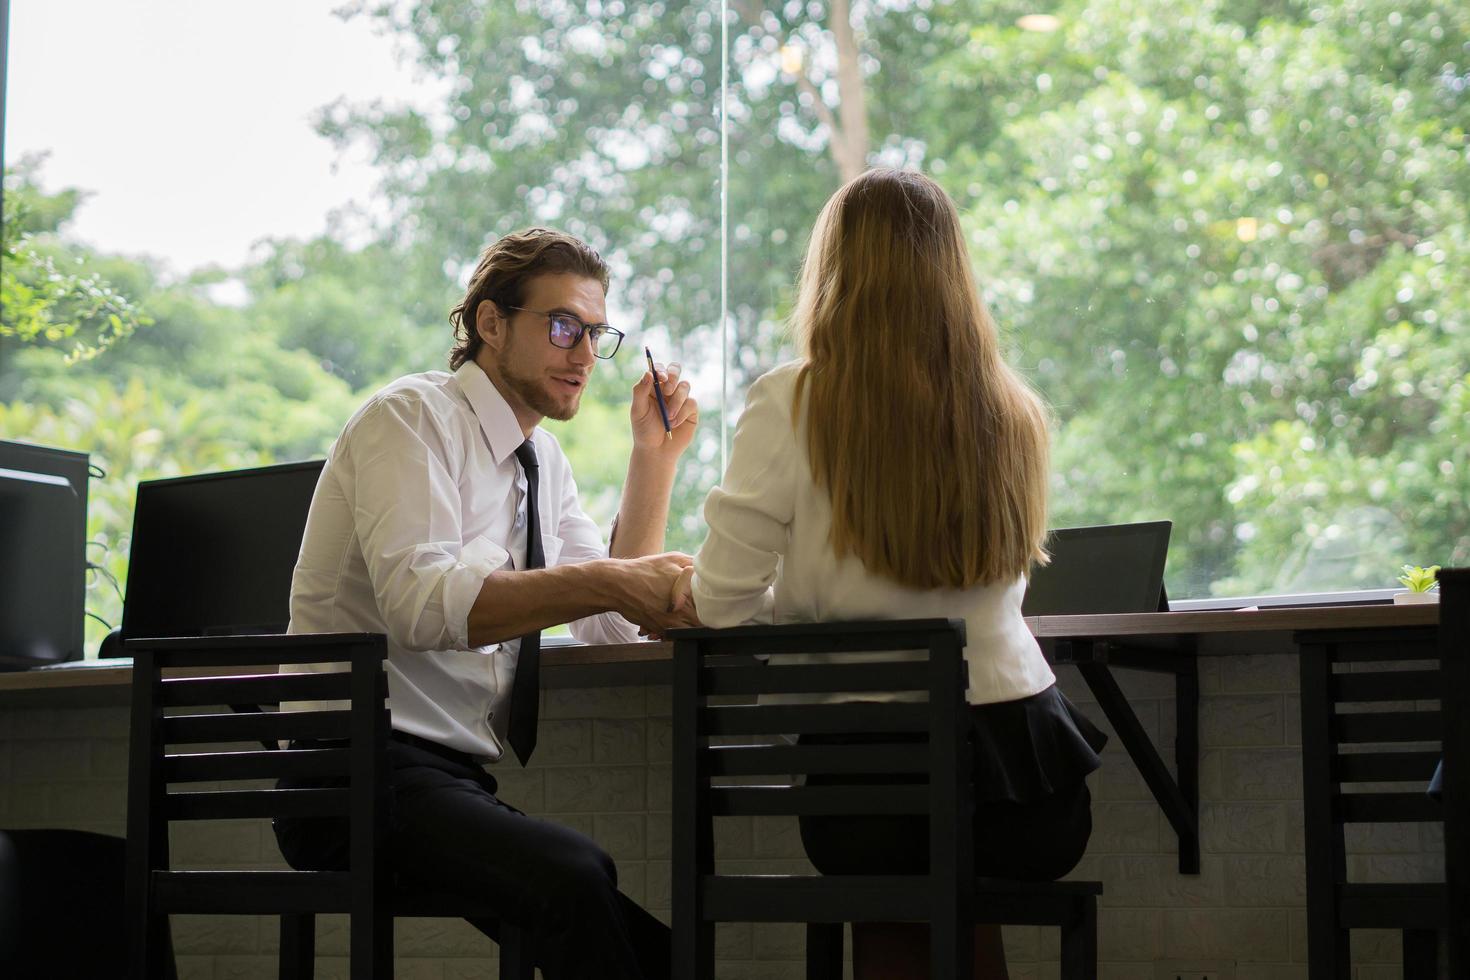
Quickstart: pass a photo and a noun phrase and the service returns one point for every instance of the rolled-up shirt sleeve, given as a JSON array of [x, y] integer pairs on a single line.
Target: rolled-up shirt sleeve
[[749, 514], [582, 541], [408, 520]]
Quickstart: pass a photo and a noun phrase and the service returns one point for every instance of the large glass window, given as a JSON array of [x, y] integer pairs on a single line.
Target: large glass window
[[1227, 241]]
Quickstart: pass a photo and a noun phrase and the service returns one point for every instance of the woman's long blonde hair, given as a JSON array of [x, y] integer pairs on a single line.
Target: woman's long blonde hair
[[934, 452]]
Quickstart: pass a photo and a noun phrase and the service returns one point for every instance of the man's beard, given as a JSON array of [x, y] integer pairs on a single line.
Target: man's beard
[[535, 397]]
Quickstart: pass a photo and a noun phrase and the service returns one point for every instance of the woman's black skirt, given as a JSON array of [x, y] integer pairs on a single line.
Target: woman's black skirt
[[1033, 813]]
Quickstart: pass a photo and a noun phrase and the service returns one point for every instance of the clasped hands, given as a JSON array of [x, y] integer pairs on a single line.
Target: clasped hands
[[666, 599]]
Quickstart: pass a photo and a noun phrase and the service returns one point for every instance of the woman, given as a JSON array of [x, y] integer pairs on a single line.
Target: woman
[[899, 470]]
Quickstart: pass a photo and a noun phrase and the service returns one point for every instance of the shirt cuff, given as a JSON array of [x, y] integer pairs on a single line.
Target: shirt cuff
[[462, 585], [608, 627], [725, 611]]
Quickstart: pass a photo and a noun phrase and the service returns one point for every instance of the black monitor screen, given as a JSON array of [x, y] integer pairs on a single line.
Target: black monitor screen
[[213, 555], [41, 582], [27, 458], [1111, 568]]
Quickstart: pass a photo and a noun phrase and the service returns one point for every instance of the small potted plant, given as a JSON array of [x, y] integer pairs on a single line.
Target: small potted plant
[[1420, 582]]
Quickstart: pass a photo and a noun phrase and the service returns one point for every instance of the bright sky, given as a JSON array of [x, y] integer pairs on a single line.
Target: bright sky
[[189, 120]]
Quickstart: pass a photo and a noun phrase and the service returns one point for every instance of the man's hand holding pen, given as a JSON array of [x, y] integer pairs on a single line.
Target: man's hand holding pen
[[649, 433]]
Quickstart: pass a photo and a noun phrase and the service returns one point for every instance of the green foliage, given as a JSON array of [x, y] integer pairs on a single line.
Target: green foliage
[[1229, 241], [1248, 319], [202, 389], [132, 434], [1417, 579], [366, 314], [48, 296]]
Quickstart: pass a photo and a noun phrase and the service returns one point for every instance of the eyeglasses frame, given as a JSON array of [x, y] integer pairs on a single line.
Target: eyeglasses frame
[[606, 329]]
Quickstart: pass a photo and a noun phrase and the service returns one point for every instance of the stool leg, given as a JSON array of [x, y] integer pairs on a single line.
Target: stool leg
[[1079, 943], [824, 951], [298, 946], [1421, 954], [515, 958], [694, 948]]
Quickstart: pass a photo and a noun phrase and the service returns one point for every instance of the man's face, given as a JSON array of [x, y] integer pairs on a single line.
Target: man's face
[[537, 378]]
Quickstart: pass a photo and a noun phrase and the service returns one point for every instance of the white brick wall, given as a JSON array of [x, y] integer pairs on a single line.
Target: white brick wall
[[602, 766]]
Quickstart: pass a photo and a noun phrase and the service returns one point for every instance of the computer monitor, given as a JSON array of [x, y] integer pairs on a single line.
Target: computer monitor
[[212, 555], [30, 458], [1110, 568], [41, 575], [72, 466]]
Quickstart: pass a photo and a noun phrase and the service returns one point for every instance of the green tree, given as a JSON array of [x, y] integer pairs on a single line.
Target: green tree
[[368, 314], [205, 387], [47, 297], [1250, 320], [1248, 317]]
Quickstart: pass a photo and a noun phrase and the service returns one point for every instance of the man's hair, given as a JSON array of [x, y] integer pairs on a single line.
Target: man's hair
[[932, 449], [506, 267]]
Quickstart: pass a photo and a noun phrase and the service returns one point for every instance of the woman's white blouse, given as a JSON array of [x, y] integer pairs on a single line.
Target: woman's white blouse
[[768, 557]]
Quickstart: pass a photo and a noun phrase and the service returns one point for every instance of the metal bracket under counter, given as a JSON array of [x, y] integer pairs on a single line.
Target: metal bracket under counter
[[1177, 793]]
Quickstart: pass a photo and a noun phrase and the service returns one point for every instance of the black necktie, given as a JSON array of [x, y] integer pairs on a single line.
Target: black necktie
[[525, 692]]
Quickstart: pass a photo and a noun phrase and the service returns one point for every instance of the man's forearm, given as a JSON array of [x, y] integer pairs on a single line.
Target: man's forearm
[[513, 603], [644, 512]]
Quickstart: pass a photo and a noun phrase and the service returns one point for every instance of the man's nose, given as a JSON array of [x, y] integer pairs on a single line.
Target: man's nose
[[582, 353]]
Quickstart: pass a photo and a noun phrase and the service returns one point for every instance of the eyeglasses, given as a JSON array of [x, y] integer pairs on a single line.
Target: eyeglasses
[[565, 331]]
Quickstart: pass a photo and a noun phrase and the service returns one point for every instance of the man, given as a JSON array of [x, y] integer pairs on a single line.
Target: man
[[447, 520]]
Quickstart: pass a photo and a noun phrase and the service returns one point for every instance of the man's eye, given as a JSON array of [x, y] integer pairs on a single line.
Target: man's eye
[[564, 325]]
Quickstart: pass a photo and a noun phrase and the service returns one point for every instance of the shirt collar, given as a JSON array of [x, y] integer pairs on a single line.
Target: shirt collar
[[496, 419]]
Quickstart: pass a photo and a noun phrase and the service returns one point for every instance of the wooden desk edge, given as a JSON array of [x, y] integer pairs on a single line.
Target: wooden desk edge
[[1233, 621], [552, 658], [1044, 628]]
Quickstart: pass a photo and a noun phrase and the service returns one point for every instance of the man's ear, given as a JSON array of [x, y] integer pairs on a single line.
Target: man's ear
[[491, 324]]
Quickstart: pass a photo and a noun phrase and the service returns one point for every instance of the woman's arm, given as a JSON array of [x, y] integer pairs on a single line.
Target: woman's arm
[[750, 512]]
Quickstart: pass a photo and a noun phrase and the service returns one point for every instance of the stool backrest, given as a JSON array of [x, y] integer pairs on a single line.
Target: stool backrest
[[1372, 734], [1454, 652], [736, 728], [193, 759]]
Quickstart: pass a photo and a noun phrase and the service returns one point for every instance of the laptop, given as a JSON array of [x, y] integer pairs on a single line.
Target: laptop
[[213, 555], [1109, 568]]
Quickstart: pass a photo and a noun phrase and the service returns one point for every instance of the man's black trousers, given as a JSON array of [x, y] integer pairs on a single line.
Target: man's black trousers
[[449, 830]]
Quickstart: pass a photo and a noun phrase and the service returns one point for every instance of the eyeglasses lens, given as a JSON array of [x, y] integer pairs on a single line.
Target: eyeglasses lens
[[565, 332]]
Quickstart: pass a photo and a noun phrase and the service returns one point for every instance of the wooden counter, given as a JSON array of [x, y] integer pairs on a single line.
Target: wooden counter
[[601, 665], [1216, 633]]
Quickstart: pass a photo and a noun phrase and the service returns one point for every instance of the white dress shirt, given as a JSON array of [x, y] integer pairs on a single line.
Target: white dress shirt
[[420, 499], [768, 557]]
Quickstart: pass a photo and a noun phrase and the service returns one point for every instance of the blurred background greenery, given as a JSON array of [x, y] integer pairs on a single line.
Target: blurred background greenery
[[1229, 242]]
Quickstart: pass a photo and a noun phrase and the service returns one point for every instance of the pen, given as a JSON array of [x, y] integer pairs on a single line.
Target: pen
[[658, 394]]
